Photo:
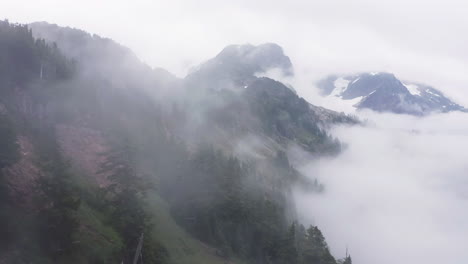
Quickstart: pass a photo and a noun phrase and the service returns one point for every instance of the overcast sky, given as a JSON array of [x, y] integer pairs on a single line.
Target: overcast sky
[[419, 40]]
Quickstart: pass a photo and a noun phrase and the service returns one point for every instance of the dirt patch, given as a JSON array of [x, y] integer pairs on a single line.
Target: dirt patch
[[84, 147], [22, 176]]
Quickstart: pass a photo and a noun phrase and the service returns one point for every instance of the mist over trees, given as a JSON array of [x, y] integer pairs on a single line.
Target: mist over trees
[[115, 149]]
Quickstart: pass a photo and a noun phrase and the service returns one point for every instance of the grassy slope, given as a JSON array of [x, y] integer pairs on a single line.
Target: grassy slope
[[99, 241], [183, 249]]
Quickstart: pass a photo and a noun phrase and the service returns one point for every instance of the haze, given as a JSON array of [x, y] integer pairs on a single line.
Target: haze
[[398, 192], [417, 40]]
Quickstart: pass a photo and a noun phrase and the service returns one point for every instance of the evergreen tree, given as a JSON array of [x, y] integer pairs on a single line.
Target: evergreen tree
[[124, 199], [316, 249], [9, 153], [288, 252], [59, 197], [9, 149], [346, 260]]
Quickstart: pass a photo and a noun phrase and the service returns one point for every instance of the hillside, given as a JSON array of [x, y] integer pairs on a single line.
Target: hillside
[[98, 148]]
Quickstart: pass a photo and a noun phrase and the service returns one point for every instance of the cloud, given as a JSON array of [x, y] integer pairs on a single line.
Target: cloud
[[398, 194], [417, 40]]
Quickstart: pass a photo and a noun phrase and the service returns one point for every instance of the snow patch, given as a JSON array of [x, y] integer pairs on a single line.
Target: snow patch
[[430, 92], [356, 80], [413, 89], [340, 105], [355, 101], [341, 85]]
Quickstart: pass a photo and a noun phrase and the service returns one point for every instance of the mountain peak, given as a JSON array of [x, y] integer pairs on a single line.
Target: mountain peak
[[238, 64], [259, 58], [384, 92]]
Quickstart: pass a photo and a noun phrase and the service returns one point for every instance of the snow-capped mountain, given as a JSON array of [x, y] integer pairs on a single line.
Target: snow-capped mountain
[[383, 92]]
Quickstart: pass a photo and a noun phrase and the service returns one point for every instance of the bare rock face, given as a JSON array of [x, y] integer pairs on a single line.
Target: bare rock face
[[85, 148]]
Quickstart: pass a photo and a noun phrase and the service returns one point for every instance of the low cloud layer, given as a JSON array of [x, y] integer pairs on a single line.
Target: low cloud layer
[[398, 194]]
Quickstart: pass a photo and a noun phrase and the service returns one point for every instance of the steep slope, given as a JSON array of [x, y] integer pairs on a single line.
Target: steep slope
[[383, 92], [103, 58]]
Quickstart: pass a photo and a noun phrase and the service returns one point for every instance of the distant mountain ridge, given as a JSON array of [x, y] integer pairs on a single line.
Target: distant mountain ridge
[[383, 92]]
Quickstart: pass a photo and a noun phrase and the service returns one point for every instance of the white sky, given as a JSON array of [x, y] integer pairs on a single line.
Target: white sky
[[418, 40]]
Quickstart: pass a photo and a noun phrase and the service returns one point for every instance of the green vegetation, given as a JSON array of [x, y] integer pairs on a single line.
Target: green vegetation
[[9, 153], [59, 199]]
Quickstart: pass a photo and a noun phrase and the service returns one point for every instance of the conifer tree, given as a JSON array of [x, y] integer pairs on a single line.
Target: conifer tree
[[124, 195], [9, 153], [59, 198], [316, 249]]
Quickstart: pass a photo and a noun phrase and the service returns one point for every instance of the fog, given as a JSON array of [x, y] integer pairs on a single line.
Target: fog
[[398, 193], [417, 40]]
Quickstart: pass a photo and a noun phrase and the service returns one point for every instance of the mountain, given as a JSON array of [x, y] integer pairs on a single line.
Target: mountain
[[99, 58], [260, 105], [383, 92], [237, 64], [99, 148]]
